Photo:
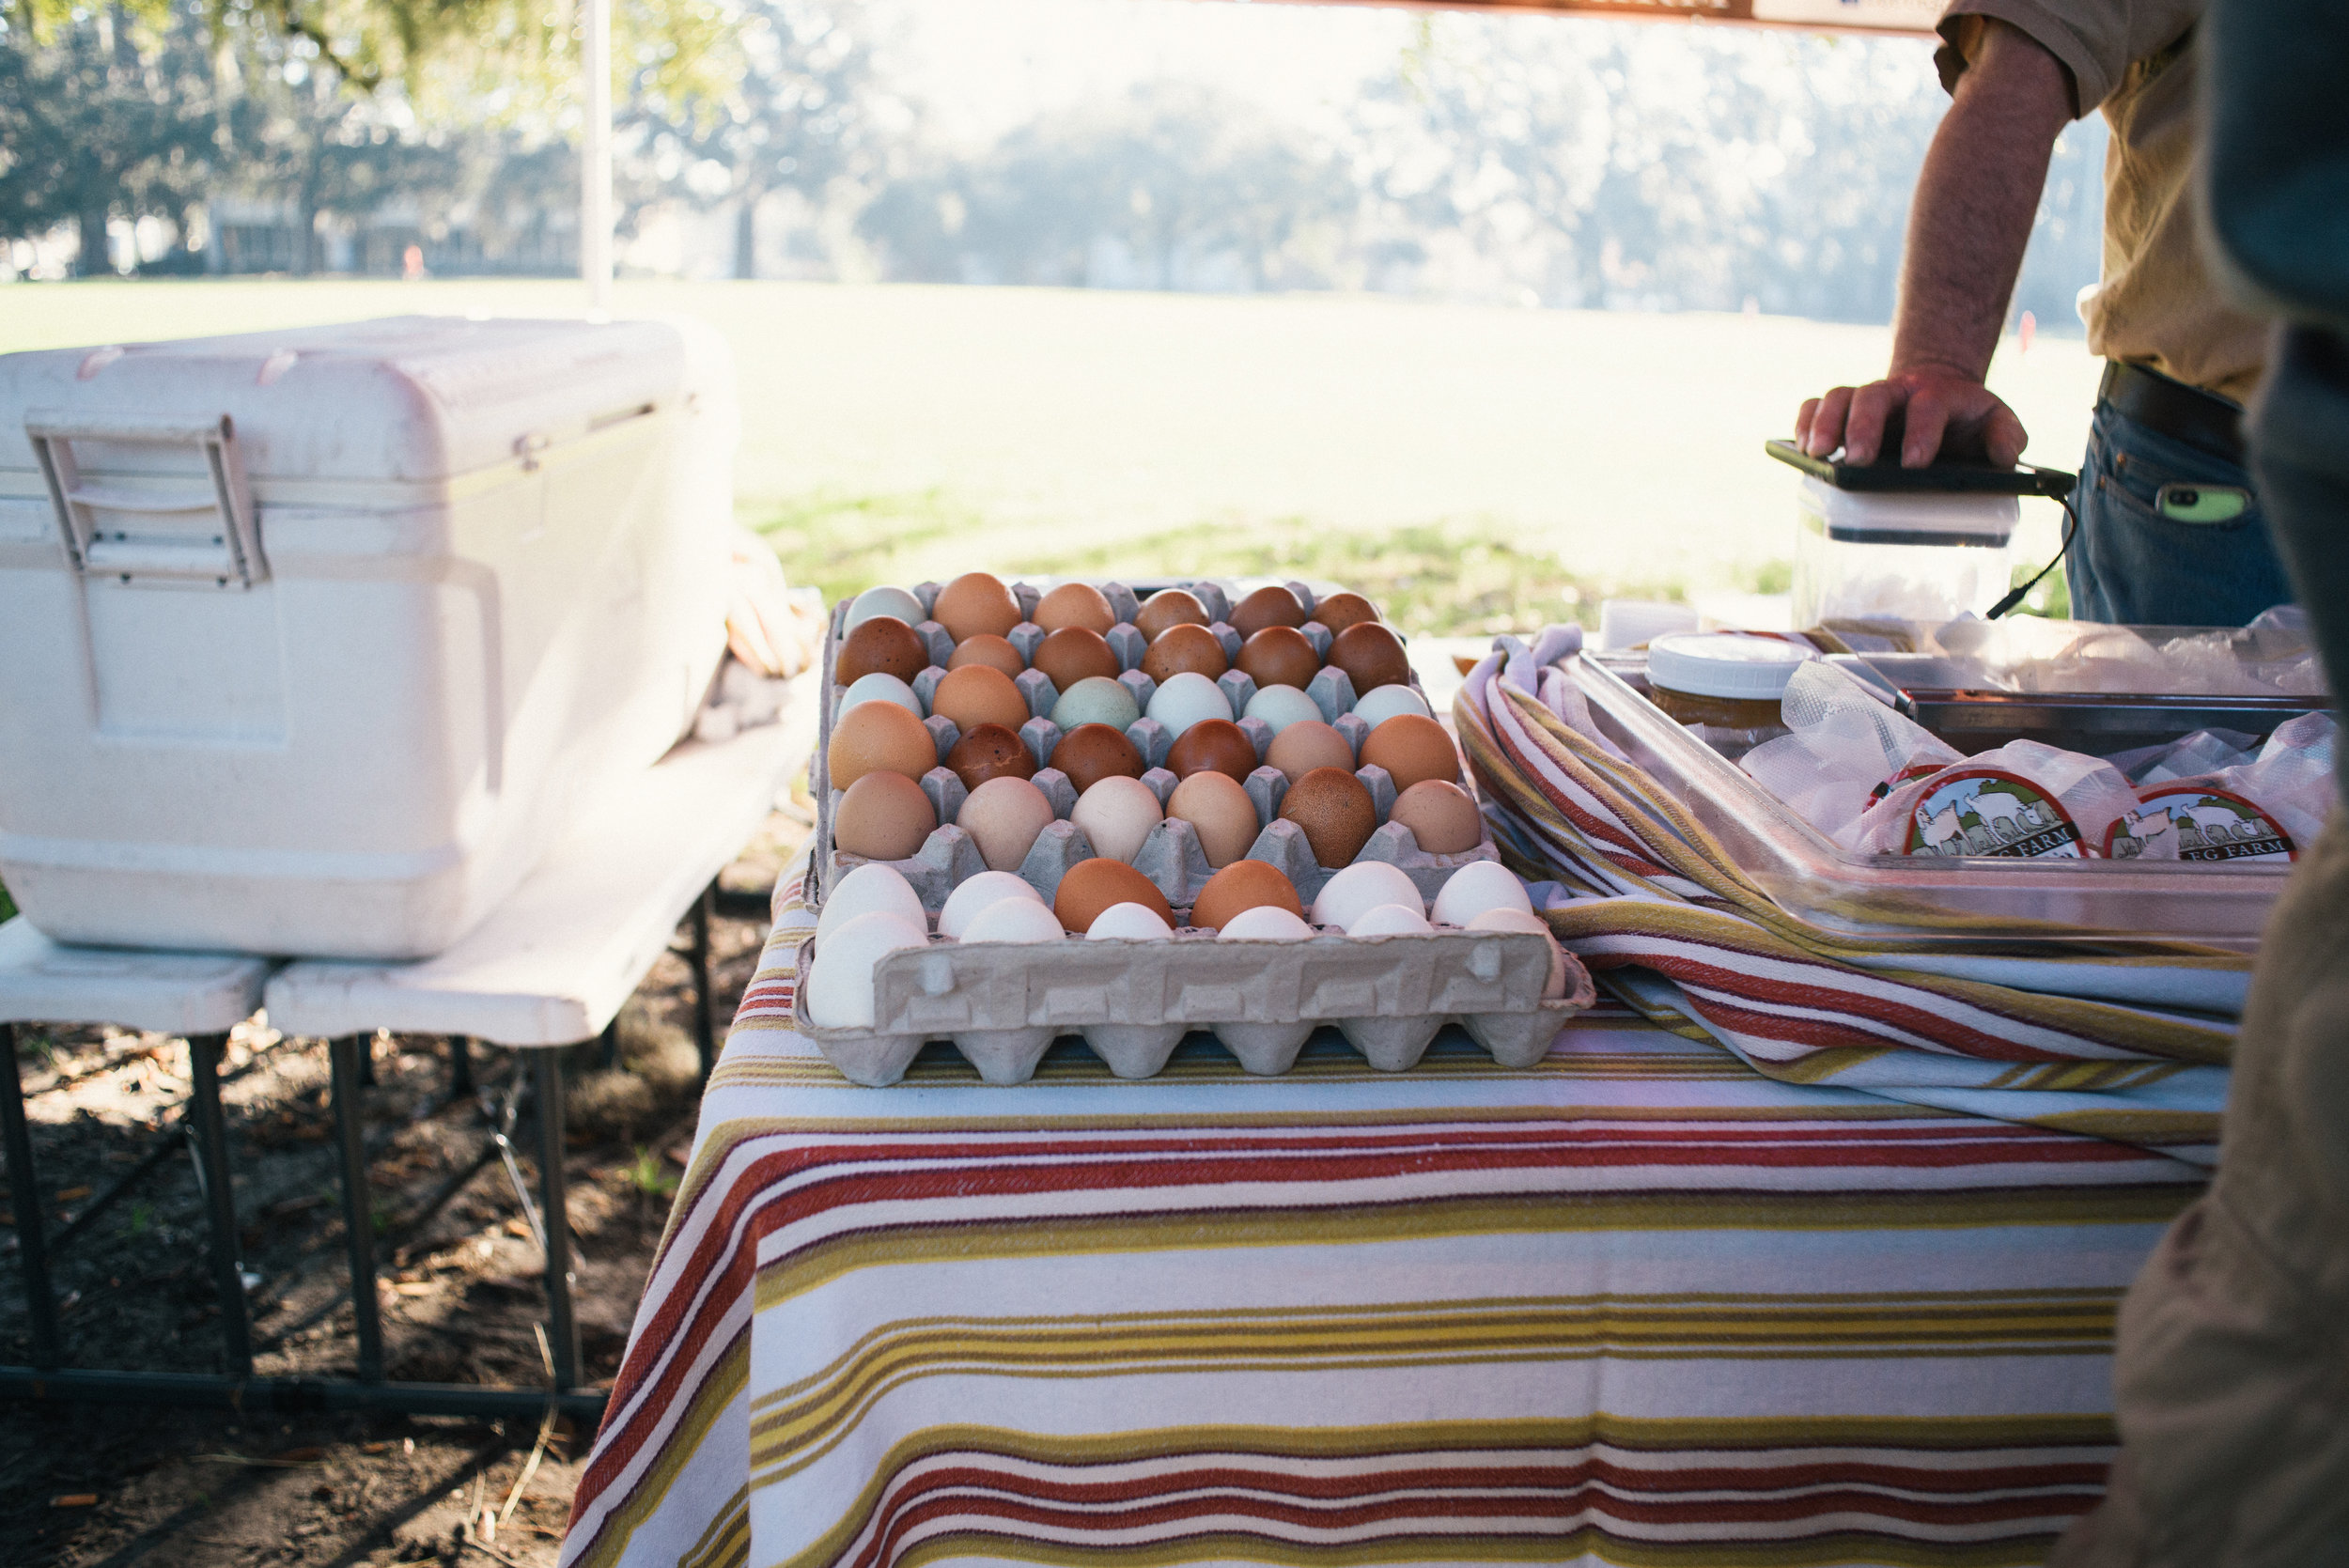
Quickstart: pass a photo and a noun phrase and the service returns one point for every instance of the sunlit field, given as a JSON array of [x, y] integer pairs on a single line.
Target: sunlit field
[[1478, 467]]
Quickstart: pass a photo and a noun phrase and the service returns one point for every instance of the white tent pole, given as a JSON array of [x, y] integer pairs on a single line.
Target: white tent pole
[[595, 197]]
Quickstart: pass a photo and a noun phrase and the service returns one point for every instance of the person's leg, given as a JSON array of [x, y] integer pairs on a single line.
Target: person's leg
[[2132, 565]]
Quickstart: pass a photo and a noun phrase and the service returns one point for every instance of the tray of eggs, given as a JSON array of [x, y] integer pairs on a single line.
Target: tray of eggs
[[1092, 811]]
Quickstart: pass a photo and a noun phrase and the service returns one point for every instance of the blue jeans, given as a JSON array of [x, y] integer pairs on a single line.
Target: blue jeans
[[2132, 565]]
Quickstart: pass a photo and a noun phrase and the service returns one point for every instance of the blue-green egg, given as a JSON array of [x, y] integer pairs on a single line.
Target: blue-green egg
[[1095, 700], [1281, 706]]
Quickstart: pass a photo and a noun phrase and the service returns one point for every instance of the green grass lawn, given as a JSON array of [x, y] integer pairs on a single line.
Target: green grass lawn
[[1479, 468]]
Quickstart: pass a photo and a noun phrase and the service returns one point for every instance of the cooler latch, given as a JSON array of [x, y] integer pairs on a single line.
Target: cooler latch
[[203, 532]]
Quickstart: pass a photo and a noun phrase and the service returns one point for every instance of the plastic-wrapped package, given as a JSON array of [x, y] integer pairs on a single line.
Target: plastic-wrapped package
[[2267, 808], [2204, 752], [1845, 750], [2022, 800]]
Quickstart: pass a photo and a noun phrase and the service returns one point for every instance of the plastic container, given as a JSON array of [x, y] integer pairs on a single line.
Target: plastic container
[[1864, 555], [315, 639], [1722, 679]]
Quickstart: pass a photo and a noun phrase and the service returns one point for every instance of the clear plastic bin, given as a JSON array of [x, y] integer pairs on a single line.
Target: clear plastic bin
[[1872, 555]]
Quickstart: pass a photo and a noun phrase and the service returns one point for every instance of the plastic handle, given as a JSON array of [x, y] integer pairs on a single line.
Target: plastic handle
[[227, 557]]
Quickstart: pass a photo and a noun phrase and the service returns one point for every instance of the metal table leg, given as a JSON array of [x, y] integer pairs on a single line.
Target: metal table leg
[[32, 1251], [347, 1055], [705, 1001], [208, 1131], [546, 1068], [460, 1065]]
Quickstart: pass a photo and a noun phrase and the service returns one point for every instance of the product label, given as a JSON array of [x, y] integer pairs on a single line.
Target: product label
[[1909, 774], [2210, 825], [1985, 811]]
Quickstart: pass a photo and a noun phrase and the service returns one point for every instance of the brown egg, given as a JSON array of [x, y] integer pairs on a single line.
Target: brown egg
[[1183, 649], [885, 815], [1072, 654], [990, 751], [1335, 811], [1169, 607], [975, 603], [879, 737], [1370, 655], [1411, 747], [1279, 655], [1243, 885], [1340, 610], [1220, 811], [977, 694], [989, 650], [1306, 745], [1441, 817], [1092, 886], [1213, 745], [1090, 752], [1272, 606], [883, 643], [1075, 604]]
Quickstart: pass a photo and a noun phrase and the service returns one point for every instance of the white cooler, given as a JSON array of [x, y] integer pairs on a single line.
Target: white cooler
[[311, 641]]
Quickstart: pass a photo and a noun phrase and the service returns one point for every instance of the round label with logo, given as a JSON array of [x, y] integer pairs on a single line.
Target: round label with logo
[[1985, 811], [1907, 775], [2208, 825]]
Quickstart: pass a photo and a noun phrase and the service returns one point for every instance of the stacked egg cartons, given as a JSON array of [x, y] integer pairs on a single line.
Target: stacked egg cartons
[[1081, 812]]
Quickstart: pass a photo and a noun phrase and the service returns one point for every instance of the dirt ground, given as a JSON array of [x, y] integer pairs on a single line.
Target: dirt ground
[[106, 1486]]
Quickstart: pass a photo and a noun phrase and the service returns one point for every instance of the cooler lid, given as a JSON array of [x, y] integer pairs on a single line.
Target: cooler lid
[[406, 398]]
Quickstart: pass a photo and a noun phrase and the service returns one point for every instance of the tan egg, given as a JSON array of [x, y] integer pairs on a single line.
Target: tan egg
[[1215, 744], [1220, 811], [883, 645], [979, 694], [1184, 649], [1306, 745], [1116, 816], [1335, 811], [1075, 653], [1092, 886], [1441, 817], [1370, 655], [1269, 606], [1411, 747], [1340, 610], [879, 737], [1243, 885], [885, 815], [975, 603], [1090, 752], [1004, 817], [1075, 604], [1279, 655], [990, 751], [1169, 607], [993, 652]]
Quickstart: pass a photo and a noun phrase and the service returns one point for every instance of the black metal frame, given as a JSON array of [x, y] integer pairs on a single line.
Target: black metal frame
[[350, 1060]]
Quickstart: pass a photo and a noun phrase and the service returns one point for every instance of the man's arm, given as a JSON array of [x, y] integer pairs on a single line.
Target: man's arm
[[1966, 229]]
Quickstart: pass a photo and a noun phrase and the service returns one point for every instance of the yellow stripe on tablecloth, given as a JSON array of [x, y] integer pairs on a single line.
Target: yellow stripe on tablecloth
[[726, 1380], [726, 1544]]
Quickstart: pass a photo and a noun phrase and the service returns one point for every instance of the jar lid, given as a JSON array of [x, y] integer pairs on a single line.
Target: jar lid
[[1726, 665]]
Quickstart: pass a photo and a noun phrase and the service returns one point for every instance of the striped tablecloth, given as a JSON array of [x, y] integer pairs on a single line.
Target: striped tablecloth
[[1637, 1304]]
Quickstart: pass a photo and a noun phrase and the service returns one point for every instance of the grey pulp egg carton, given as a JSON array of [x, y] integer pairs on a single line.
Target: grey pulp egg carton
[[1009, 1033], [1002, 1005]]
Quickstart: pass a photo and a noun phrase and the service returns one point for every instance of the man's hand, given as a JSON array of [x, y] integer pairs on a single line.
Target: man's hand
[[1944, 410], [1976, 199]]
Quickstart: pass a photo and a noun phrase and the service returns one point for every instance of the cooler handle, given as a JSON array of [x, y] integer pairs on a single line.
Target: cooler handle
[[230, 558]]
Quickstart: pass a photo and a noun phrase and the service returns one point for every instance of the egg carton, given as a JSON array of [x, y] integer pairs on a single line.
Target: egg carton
[[1002, 1005]]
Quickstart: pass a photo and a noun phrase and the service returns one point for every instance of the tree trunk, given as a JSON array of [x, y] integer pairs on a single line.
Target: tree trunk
[[746, 236], [93, 261]]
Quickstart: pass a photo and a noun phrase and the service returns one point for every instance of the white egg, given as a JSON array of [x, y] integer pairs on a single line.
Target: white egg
[[1280, 707], [885, 602], [1389, 920], [983, 891], [1360, 887], [1476, 887], [1266, 922], [1383, 703], [1116, 814], [871, 889], [1526, 921], [840, 989], [1128, 922], [1014, 920], [1184, 700], [881, 686]]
